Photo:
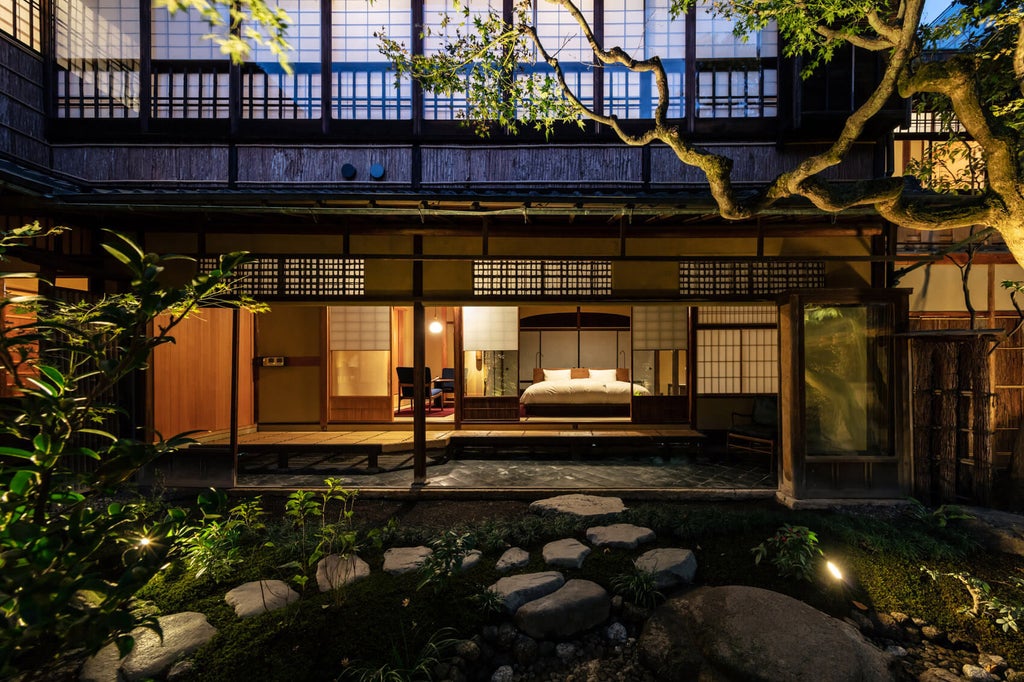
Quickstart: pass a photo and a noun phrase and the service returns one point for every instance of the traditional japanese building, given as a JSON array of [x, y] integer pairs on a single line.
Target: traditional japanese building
[[386, 235]]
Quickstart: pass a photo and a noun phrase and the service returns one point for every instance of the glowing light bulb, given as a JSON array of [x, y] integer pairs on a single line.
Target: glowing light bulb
[[435, 327], [834, 570], [143, 542]]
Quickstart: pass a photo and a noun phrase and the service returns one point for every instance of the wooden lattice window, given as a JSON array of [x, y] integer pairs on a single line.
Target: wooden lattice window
[[542, 278], [756, 278], [299, 276]]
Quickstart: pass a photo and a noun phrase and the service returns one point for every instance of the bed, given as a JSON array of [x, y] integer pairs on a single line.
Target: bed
[[580, 392]]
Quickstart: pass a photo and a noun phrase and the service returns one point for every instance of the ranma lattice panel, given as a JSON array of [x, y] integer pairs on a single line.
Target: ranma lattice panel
[[299, 276], [542, 278], [757, 278]]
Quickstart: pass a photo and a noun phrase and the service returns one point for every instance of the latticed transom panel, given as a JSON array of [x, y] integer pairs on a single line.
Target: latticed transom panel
[[298, 276], [542, 278], [756, 278]]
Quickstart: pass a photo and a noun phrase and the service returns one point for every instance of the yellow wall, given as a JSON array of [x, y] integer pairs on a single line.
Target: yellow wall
[[290, 394]]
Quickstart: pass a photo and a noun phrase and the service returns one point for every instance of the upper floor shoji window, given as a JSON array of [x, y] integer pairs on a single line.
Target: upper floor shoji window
[[644, 30], [190, 75], [268, 91], [362, 81], [21, 19], [96, 49], [736, 78]]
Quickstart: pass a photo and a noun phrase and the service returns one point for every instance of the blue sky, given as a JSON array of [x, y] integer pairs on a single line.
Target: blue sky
[[932, 9]]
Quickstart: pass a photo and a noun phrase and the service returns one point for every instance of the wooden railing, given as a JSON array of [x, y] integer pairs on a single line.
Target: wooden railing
[[368, 91]]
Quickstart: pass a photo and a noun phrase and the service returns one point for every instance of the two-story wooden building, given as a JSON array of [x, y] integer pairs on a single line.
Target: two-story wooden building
[[386, 235]]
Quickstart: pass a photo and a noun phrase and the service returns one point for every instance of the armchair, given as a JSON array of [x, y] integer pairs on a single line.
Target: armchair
[[406, 389], [446, 382]]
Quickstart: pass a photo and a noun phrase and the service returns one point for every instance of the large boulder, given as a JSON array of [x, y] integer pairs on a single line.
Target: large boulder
[[746, 633], [577, 606], [152, 656]]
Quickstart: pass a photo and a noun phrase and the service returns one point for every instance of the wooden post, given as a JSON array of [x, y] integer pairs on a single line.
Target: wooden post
[[233, 420], [983, 445], [924, 460], [945, 420]]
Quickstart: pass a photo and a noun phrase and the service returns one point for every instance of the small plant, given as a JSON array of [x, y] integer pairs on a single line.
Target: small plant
[[1006, 615], [407, 665], [640, 587], [488, 601], [939, 517], [214, 547], [793, 551], [446, 560]]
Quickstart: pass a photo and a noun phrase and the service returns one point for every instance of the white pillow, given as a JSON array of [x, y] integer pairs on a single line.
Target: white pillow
[[557, 374], [604, 375]]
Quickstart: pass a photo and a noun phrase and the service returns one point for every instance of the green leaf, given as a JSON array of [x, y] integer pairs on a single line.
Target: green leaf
[[20, 481], [15, 452]]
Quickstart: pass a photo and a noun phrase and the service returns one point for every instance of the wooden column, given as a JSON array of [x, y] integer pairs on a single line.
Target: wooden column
[[983, 418], [924, 461], [233, 419], [944, 420], [419, 387]]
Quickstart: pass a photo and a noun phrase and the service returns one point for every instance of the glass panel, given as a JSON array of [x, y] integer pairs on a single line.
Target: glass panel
[[364, 84], [360, 372], [21, 20], [491, 373], [847, 372], [490, 328], [661, 372], [190, 73]]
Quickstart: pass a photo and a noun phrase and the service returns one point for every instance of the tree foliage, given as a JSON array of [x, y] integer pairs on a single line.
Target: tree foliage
[[73, 551]]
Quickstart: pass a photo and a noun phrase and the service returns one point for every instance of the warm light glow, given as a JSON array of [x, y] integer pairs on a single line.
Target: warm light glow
[[143, 542], [834, 570], [435, 327]]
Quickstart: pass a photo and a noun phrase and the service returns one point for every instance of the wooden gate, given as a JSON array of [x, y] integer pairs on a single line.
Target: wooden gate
[[953, 416]]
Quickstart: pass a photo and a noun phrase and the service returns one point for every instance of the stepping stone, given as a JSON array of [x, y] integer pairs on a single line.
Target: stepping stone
[[183, 633], [260, 596], [517, 590], [334, 571], [471, 559], [670, 566], [579, 505], [619, 536], [567, 553], [398, 560], [579, 605], [512, 558]]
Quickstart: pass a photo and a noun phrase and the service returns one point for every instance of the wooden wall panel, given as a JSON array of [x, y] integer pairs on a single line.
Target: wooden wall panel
[[305, 164], [191, 378], [137, 164], [757, 162], [22, 121], [541, 165]]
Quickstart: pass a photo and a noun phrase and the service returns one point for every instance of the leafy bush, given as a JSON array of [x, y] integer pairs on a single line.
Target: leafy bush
[[71, 559], [793, 551]]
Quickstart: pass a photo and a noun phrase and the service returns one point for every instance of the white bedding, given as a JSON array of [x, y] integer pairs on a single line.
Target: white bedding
[[581, 392]]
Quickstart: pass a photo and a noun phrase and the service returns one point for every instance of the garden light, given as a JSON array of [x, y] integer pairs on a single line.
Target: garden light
[[144, 542], [834, 570]]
